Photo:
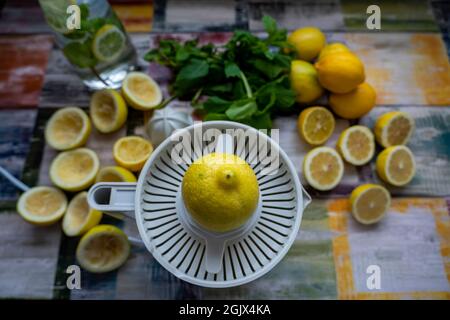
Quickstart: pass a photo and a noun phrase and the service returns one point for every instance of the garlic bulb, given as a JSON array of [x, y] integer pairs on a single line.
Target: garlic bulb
[[164, 122]]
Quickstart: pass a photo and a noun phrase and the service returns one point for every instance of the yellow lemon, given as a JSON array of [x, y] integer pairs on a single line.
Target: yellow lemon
[[74, 170], [108, 110], [42, 206], [141, 91], [354, 104], [220, 191], [79, 217], [132, 152], [315, 125], [103, 249], [356, 145], [333, 48], [341, 72], [396, 165], [323, 168], [304, 82], [115, 174], [394, 128], [307, 42], [68, 128], [369, 203]]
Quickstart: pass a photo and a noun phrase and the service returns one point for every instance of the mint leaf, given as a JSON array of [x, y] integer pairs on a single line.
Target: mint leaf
[[232, 70], [216, 105], [242, 109], [194, 70], [79, 54]]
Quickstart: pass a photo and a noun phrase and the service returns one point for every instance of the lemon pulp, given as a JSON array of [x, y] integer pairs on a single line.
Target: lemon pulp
[[220, 191]]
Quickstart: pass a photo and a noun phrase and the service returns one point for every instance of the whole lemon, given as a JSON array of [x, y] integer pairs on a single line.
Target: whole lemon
[[220, 191], [354, 104], [307, 42], [341, 72], [333, 48], [304, 81]]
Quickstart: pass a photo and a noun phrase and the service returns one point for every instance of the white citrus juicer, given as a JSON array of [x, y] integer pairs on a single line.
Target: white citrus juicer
[[182, 246]]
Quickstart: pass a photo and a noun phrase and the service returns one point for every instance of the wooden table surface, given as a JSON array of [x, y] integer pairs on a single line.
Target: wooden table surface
[[407, 62]]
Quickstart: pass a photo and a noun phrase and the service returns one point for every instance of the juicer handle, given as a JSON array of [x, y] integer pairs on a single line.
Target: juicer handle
[[113, 197]]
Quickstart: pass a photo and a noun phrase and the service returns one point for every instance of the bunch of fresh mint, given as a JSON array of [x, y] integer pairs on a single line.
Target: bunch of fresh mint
[[246, 80]]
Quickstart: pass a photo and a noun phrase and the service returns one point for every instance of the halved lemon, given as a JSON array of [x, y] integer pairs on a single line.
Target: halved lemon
[[68, 128], [369, 203], [141, 91], [74, 170], [394, 128], [42, 205], [356, 145], [108, 43], [79, 217], [396, 165], [315, 125], [103, 249], [132, 152], [108, 110], [323, 168], [115, 174]]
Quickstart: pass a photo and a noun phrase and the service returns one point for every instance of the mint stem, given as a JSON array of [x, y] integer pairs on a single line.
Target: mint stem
[[248, 90], [98, 76]]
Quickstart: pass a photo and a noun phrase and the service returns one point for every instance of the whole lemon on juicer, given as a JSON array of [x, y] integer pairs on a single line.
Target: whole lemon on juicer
[[307, 42], [220, 192], [333, 48], [304, 81], [354, 104], [341, 72]]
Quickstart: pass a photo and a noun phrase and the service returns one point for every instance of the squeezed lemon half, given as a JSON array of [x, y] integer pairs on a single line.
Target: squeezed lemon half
[[42, 205], [141, 91], [79, 217], [103, 249], [68, 128], [74, 170], [108, 110]]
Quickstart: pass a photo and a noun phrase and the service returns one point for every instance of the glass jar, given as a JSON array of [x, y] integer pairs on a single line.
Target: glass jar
[[92, 39]]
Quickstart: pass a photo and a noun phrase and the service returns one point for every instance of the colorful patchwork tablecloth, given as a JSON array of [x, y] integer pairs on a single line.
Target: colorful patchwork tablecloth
[[333, 256]]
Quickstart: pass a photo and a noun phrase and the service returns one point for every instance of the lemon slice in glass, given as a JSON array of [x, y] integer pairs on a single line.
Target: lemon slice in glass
[[79, 217], [108, 110], [115, 174], [74, 170], [356, 145], [316, 125], [68, 128], [369, 203], [108, 43], [394, 128], [141, 91], [396, 165], [42, 205], [132, 152], [323, 168], [103, 249]]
